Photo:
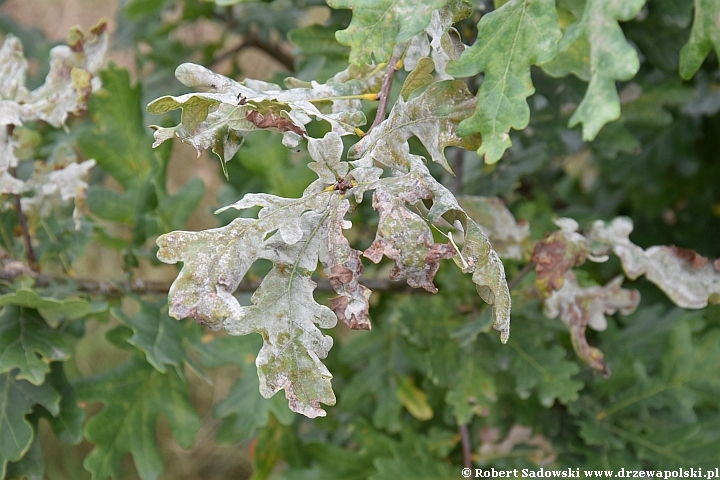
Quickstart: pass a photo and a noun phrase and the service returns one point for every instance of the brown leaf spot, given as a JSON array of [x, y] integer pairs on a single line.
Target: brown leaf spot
[[271, 120], [553, 257], [691, 256]]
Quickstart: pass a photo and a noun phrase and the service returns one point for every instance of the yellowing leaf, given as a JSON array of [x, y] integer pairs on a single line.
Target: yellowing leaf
[[510, 39]]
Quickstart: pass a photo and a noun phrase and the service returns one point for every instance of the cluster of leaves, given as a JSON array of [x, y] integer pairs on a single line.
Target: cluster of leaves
[[423, 387]]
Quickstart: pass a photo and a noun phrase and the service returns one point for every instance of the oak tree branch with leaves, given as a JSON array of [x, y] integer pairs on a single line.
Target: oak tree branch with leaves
[[411, 133]]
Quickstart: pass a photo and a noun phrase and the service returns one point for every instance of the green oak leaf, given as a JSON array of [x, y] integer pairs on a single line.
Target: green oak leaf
[[704, 36], [594, 49], [118, 138], [48, 307], [510, 39], [473, 393], [28, 344], [134, 395], [378, 25], [432, 117], [17, 398], [155, 333], [30, 466], [669, 377], [538, 366], [243, 411]]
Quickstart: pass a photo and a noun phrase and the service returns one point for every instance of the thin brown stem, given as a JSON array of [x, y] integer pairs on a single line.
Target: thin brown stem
[[458, 166], [29, 253], [384, 94], [12, 270], [521, 274], [466, 447]]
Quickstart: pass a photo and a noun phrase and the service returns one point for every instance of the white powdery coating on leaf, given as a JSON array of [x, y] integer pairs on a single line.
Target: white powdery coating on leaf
[[691, 281]]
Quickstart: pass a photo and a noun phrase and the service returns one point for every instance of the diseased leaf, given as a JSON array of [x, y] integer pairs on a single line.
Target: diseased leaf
[[491, 445], [403, 235], [594, 49], [28, 344], [17, 398], [134, 395], [557, 253], [67, 85], [378, 25], [511, 39], [689, 279], [55, 182], [704, 36], [580, 308], [432, 117], [215, 262], [509, 238], [419, 78], [221, 119]]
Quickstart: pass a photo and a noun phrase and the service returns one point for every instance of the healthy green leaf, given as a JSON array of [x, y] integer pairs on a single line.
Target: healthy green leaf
[[17, 398], [594, 48], [118, 138], [28, 344], [155, 333], [378, 25], [704, 36], [511, 39], [134, 395]]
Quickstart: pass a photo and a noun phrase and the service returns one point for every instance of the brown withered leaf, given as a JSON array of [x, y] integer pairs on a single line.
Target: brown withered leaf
[[556, 254], [492, 447], [404, 236], [580, 308]]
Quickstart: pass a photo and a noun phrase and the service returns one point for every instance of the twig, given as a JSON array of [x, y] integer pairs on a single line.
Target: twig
[[521, 274], [458, 167], [29, 253], [251, 40], [15, 269], [466, 447], [384, 95]]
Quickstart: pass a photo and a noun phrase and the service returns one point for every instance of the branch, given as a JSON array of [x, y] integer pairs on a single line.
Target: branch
[[521, 274], [466, 447], [384, 95], [13, 269], [251, 40], [29, 253]]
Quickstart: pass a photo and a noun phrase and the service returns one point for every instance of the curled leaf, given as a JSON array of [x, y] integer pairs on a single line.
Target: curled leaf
[[556, 254], [580, 308], [688, 278]]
